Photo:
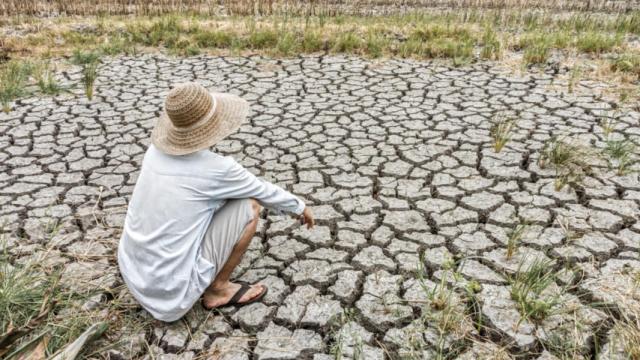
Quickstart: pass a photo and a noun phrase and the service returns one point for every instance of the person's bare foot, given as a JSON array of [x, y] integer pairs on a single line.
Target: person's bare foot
[[217, 297]]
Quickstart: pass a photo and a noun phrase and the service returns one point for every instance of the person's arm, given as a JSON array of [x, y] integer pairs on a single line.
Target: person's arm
[[239, 183]]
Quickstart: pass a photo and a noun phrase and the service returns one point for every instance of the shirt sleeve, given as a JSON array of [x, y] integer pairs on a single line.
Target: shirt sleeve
[[239, 183]]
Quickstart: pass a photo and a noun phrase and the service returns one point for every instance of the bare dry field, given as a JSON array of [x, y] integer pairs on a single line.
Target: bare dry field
[[473, 166]]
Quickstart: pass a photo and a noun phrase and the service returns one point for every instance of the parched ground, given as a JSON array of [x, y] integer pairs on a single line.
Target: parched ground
[[397, 162]]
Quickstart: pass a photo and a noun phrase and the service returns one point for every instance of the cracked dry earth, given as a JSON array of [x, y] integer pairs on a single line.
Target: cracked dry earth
[[395, 159]]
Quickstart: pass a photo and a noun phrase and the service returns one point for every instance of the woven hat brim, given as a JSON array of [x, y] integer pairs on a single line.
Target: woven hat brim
[[230, 113]]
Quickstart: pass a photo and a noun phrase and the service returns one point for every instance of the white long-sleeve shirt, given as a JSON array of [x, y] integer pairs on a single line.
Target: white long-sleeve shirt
[[172, 204]]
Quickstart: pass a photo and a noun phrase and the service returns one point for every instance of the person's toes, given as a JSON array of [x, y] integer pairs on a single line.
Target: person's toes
[[255, 291], [216, 300]]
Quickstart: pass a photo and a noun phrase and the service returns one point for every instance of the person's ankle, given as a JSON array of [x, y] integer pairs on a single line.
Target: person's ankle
[[219, 286]]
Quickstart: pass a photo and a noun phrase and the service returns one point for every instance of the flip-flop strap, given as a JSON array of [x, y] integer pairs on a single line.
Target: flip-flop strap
[[238, 295]]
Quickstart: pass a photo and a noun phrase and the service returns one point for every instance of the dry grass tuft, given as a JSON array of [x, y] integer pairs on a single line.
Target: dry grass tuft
[[44, 74], [626, 333], [287, 28], [570, 161], [291, 7], [514, 238], [13, 79], [38, 310], [501, 131], [491, 45], [627, 63]]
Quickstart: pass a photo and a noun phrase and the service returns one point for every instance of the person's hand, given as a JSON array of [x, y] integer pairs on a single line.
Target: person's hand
[[307, 218]]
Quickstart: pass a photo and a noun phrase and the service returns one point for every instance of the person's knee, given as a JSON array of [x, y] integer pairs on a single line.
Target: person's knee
[[255, 207], [252, 226]]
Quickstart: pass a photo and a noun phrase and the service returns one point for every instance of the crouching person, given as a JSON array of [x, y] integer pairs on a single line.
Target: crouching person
[[193, 212]]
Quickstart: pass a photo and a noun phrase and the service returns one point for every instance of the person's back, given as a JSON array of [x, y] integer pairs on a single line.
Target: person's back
[[167, 217], [191, 214]]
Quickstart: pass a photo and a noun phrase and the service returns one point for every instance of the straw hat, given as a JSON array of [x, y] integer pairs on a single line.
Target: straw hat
[[194, 119]]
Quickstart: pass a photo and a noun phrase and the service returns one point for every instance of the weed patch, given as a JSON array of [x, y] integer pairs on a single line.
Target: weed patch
[[80, 57], [570, 161], [528, 288], [514, 238], [38, 311], [501, 131], [13, 79], [491, 45], [626, 335], [620, 154], [347, 42], [627, 63], [537, 53], [213, 39], [89, 75], [44, 73], [597, 42]]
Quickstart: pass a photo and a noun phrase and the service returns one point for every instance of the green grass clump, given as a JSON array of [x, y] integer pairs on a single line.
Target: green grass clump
[[555, 40], [620, 153], [213, 39], [312, 41], [347, 42], [570, 161], [442, 41], [597, 42], [460, 51], [537, 48], [75, 38], [80, 57], [561, 153], [409, 48], [263, 38], [89, 75], [31, 307], [25, 294], [627, 63], [89, 61], [627, 23], [37, 310], [288, 44], [13, 80], [118, 44], [527, 290], [184, 47], [537, 53], [165, 30], [619, 148], [376, 43], [443, 311], [491, 45], [438, 31], [44, 73]]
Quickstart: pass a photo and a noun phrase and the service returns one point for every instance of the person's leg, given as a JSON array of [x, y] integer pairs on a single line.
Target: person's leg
[[221, 289]]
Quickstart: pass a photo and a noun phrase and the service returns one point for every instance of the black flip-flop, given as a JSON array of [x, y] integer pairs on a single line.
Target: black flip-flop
[[234, 301]]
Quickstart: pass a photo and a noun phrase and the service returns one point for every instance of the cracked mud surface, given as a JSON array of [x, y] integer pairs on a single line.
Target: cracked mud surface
[[395, 159]]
